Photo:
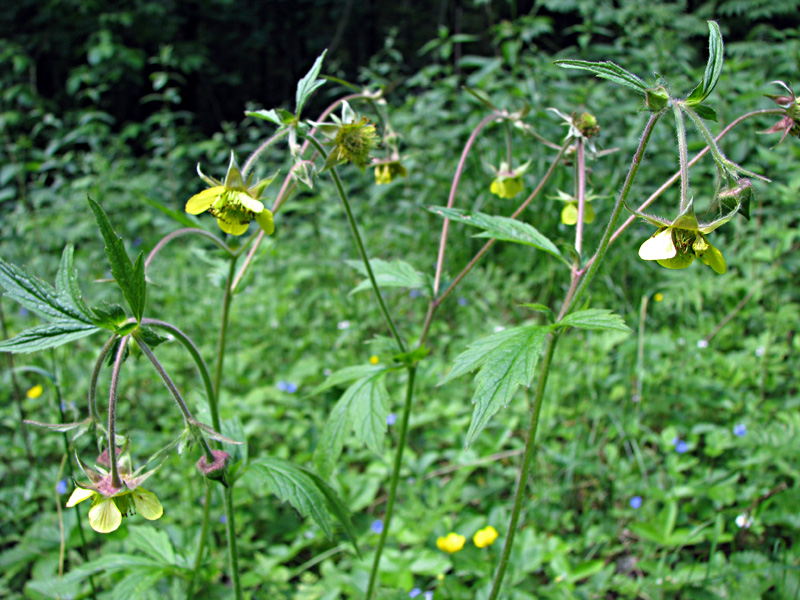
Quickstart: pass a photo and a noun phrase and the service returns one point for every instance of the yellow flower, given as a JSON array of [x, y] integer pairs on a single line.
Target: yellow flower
[[451, 544], [374, 360], [506, 187], [111, 502], [352, 138], [658, 297], [107, 511], [34, 392], [676, 248], [485, 537], [385, 172], [234, 203]]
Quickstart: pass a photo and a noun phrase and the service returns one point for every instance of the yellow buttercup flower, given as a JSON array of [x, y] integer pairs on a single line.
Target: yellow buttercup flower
[[234, 203], [658, 297], [451, 543], [485, 537], [374, 360], [35, 392], [506, 187]]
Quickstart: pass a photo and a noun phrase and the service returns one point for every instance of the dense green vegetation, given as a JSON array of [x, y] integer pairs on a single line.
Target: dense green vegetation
[[667, 465]]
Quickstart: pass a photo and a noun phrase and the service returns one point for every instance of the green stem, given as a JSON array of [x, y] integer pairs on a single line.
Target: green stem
[[398, 461], [527, 459], [116, 482], [201, 546], [587, 276], [361, 249], [683, 156]]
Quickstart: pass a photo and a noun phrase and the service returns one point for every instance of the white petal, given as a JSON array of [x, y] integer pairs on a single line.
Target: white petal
[[658, 247]]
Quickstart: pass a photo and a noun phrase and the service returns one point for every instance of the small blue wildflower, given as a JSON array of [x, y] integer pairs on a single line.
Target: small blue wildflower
[[377, 526], [636, 502], [223, 519], [23, 312], [681, 447], [137, 242], [63, 405], [414, 593], [61, 487], [415, 293], [462, 301], [740, 430], [391, 419], [282, 386], [291, 388]]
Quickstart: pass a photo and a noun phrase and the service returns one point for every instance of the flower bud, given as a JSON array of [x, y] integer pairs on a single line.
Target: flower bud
[[656, 99], [586, 123], [216, 469]]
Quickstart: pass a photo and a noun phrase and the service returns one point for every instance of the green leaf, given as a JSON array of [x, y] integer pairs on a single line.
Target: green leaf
[[40, 297], [51, 335], [705, 112], [130, 278], [109, 316], [294, 485], [608, 70], [542, 309], [713, 67], [500, 228], [309, 83], [507, 360], [344, 375], [390, 274], [267, 115], [363, 407], [336, 507], [595, 319], [153, 542]]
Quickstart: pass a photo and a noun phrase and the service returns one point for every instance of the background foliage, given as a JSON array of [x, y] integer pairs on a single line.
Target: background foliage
[[121, 103]]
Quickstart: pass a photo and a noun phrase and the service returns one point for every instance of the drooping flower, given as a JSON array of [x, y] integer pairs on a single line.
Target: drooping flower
[[109, 502], [676, 248], [385, 172], [234, 202], [451, 543], [508, 181], [789, 122], [569, 214], [485, 537]]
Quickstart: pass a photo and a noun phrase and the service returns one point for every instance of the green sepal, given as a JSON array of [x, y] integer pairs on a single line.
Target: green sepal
[[109, 316], [410, 359], [150, 337]]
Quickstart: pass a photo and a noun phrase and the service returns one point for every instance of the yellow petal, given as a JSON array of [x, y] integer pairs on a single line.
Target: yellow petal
[[105, 517], [714, 259], [147, 504], [588, 213], [79, 495], [232, 228], [680, 261], [202, 202], [569, 214], [659, 247], [265, 221], [249, 202], [495, 189]]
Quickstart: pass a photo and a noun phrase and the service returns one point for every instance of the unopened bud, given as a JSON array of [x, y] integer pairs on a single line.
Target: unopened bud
[[656, 99], [215, 470], [586, 123]]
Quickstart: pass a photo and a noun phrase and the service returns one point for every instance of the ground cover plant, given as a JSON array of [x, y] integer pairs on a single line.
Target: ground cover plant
[[313, 328]]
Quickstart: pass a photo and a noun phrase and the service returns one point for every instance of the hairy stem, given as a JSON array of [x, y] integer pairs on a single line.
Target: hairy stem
[[361, 249], [398, 461], [683, 158], [580, 192], [112, 412], [527, 459], [258, 151]]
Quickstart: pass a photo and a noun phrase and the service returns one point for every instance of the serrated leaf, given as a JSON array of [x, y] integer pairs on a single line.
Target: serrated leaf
[[267, 115], [713, 67], [153, 542], [608, 70], [40, 297], [291, 484], [309, 83], [51, 335], [705, 112], [500, 228], [476, 354], [68, 293], [109, 316], [594, 319], [336, 507], [129, 277], [508, 366], [396, 273], [363, 407], [344, 375], [542, 309]]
